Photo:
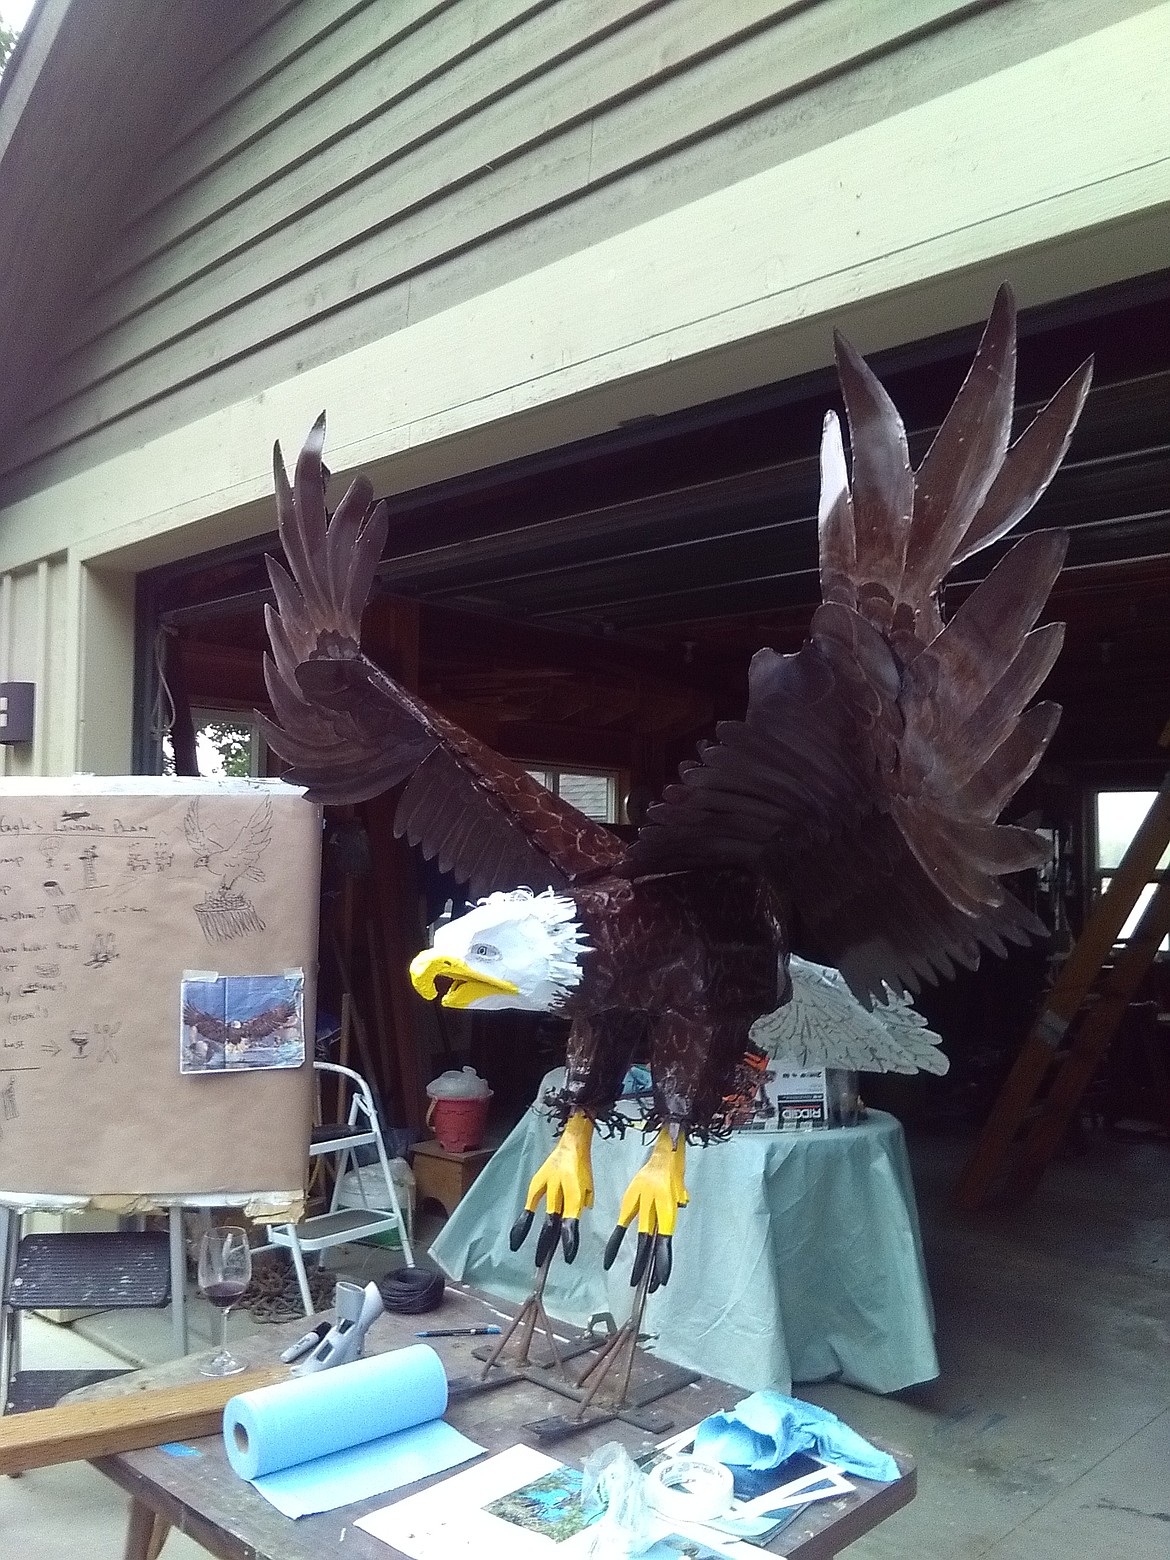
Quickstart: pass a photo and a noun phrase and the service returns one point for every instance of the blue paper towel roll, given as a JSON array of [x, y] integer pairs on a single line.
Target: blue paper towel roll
[[311, 1416]]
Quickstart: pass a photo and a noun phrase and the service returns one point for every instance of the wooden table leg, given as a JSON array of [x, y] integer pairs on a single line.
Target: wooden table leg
[[146, 1533], [158, 1537]]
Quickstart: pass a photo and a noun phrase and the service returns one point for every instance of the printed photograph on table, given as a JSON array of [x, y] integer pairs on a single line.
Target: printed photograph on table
[[241, 1023], [550, 1506], [770, 1498]]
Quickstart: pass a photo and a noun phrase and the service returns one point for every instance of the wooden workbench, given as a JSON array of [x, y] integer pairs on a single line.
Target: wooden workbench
[[197, 1491]]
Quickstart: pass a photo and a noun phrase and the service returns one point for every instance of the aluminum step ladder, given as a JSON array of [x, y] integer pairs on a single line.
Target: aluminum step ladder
[[339, 1226]]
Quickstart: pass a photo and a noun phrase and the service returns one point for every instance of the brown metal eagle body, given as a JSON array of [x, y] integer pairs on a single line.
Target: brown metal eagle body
[[861, 788], [679, 968]]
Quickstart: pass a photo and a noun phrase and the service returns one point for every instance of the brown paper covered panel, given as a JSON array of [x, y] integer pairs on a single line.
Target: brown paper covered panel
[[107, 896]]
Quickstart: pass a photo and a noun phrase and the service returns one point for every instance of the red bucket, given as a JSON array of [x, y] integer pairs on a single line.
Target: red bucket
[[459, 1123]]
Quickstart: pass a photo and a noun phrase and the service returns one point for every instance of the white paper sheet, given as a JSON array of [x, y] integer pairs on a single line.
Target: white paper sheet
[[373, 1468], [447, 1522]]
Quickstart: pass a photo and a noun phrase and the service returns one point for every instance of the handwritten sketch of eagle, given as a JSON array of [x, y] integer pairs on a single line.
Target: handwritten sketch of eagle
[[238, 857], [856, 799], [226, 911]]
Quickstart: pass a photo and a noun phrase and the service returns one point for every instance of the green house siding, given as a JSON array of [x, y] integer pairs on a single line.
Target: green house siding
[[353, 169], [639, 218]]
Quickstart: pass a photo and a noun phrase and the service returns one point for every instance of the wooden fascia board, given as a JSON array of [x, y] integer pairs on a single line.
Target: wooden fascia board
[[24, 68]]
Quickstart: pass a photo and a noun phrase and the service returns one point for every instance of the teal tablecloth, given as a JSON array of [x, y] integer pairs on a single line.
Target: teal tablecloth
[[798, 1258]]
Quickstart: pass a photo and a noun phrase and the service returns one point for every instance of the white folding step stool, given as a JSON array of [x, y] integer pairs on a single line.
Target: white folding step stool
[[341, 1225]]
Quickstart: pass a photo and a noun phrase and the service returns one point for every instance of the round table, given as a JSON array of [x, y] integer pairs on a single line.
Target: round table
[[797, 1259]]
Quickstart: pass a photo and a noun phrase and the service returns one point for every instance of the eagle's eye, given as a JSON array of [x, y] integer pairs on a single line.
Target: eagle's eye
[[484, 951]]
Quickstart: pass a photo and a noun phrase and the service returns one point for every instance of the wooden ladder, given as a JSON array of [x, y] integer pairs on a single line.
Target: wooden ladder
[[997, 1158]]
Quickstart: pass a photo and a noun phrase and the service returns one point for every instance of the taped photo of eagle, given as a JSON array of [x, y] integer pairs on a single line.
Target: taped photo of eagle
[[239, 1031], [856, 800], [241, 1022]]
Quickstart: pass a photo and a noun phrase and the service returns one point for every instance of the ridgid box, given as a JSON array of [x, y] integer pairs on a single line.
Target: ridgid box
[[783, 1097]]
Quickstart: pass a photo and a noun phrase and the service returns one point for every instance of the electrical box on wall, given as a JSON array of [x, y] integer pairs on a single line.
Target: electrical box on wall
[[17, 703]]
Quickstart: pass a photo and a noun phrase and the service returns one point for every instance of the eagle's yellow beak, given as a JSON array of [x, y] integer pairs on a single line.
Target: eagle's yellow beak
[[466, 985]]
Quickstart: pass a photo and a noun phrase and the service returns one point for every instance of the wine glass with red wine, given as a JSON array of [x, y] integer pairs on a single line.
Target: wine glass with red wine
[[225, 1268]]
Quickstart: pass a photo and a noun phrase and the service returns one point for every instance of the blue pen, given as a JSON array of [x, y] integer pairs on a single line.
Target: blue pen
[[459, 1332]]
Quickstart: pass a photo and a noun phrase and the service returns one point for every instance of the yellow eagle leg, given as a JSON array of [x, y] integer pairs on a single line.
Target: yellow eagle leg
[[657, 1192], [565, 1179], [654, 1197]]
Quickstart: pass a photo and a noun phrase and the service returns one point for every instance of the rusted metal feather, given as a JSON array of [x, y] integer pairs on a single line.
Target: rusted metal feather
[[888, 731], [351, 732]]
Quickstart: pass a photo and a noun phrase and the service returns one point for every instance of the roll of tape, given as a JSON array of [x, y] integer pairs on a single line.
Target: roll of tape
[[690, 1489]]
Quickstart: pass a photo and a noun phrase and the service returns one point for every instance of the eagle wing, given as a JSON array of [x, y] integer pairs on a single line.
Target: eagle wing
[[824, 1025], [241, 858], [350, 731], [868, 773], [205, 1024], [201, 842], [268, 1022]]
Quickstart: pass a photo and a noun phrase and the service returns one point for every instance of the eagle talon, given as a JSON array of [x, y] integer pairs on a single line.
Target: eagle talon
[[518, 1234], [663, 1261], [565, 1183], [653, 1197], [550, 1234], [613, 1245], [570, 1238], [642, 1256]]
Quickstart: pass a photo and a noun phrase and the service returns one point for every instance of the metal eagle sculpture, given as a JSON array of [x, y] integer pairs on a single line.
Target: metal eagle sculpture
[[856, 800]]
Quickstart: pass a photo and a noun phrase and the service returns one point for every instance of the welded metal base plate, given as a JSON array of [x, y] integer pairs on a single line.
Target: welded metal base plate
[[650, 1380]]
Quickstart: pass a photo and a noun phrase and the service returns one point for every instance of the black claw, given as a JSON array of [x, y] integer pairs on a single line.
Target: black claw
[[641, 1257], [549, 1235], [570, 1238], [613, 1245], [662, 1260], [518, 1234]]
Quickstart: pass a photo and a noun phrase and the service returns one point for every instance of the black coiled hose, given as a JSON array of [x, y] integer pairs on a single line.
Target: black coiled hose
[[410, 1291]]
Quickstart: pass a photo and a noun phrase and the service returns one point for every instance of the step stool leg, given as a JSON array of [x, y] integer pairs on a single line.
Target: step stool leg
[[392, 1193], [298, 1257], [7, 1327]]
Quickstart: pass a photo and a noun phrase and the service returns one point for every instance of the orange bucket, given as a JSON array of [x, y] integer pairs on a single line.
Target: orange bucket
[[459, 1123]]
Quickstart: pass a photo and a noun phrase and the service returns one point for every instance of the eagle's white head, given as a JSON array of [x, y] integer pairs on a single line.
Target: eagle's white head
[[514, 950]]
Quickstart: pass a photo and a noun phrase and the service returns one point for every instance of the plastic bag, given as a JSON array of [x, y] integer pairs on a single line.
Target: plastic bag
[[613, 1483], [459, 1084]]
